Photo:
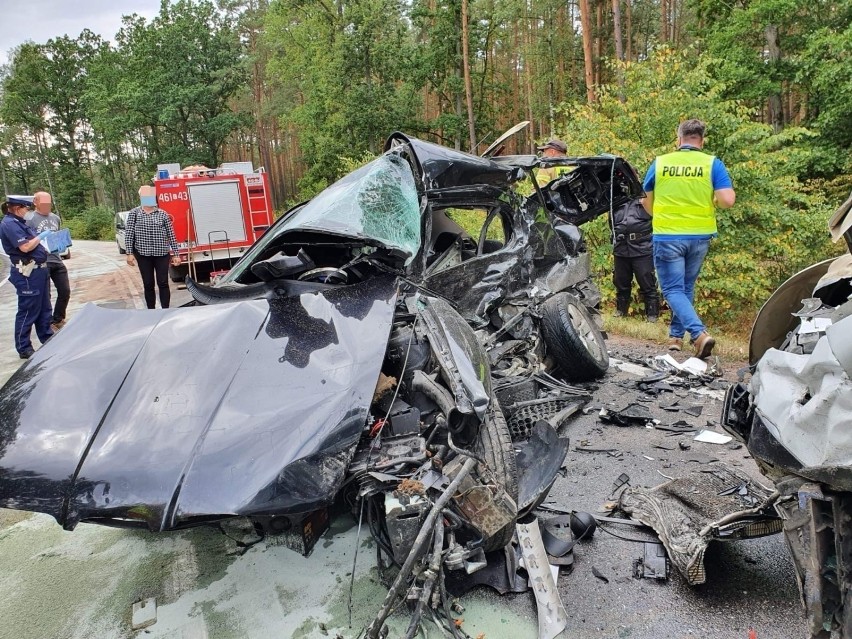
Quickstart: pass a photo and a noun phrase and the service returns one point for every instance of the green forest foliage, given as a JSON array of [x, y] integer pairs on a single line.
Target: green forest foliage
[[778, 224], [308, 88]]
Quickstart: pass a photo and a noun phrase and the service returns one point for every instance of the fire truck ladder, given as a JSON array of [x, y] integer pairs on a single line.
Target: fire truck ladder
[[215, 272], [259, 212]]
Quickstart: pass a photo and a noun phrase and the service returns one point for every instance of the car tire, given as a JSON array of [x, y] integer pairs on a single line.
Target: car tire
[[494, 445], [121, 251], [573, 339]]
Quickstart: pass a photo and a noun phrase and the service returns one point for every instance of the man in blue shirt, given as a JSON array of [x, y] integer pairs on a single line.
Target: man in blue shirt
[[683, 190], [27, 273]]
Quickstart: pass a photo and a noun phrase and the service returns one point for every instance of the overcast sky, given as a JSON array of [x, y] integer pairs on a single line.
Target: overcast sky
[[40, 20]]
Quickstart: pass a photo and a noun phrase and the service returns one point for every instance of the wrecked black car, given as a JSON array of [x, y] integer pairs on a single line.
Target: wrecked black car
[[354, 355], [795, 416], [522, 280]]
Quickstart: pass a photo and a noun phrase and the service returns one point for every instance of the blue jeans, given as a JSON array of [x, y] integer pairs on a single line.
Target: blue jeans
[[678, 263]]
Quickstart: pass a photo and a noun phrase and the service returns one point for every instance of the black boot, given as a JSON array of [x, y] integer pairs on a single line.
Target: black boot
[[652, 308], [622, 305]]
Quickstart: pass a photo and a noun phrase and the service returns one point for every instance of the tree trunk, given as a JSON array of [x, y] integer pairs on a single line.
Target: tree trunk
[[616, 29], [528, 83], [458, 97], [629, 29], [3, 173], [599, 29], [774, 56], [586, 24], [619, 48], [468, 89], [664, 20]]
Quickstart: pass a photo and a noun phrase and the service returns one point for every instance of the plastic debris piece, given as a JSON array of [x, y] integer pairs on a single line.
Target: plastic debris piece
[[583, 525], [653, 377], [667, 362], [144, 613], [552, 618], [701, 458], [654, 563], [630, 414], [597, 573], [710, 437], [630, 368], [620, 481], [694, 366]]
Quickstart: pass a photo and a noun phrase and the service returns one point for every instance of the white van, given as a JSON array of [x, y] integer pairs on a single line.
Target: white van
[[120, 223]]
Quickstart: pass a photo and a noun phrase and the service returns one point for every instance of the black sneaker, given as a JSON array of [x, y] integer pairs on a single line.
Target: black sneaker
[[26, 354]]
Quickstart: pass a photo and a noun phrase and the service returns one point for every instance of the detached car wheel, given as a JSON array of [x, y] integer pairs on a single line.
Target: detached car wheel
[[573, 339], [494, 444]]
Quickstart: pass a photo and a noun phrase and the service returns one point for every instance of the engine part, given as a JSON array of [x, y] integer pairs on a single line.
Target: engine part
[[375, 627], [404, 515], [387, 452], [470, 560], [500, 573], [404, 419], [482, 502], [457, 421], [406, 341], [296, 532]]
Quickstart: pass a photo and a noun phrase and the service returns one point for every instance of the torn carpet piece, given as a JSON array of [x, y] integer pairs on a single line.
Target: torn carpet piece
[[691, 511]]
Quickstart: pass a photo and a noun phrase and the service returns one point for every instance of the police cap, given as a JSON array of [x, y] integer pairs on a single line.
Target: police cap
[[19, 200]]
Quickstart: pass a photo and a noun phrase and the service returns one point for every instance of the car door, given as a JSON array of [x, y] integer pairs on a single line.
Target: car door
[[482, 264]]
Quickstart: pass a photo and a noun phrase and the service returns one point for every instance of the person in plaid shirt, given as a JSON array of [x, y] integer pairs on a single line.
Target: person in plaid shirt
[[151, 244]]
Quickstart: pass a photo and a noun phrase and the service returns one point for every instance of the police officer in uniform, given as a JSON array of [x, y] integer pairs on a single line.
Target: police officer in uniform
[[633, 253], [28, 274], [683, 188]]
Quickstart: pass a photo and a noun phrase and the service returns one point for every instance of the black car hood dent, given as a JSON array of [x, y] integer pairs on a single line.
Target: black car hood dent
[[173, 417]]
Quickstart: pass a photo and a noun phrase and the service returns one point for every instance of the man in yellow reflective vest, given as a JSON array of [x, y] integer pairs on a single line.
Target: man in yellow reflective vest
[[553, 148], [683, 190]]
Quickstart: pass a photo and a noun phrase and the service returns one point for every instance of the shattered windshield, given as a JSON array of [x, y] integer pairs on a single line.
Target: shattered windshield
[[377, 201]]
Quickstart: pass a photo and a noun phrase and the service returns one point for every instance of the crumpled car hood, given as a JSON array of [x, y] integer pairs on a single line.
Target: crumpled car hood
[[805, 401], [173, 417]]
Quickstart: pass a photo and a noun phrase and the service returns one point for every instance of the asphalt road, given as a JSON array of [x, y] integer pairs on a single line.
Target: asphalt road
[[58, 584]]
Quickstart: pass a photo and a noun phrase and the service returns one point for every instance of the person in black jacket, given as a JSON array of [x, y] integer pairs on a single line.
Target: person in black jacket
[[633, 251]]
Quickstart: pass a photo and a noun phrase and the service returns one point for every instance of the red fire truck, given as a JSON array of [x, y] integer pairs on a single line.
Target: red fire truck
[[217, 214]]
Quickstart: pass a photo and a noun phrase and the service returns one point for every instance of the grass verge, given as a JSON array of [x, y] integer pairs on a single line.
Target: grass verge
[[730, 346]]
